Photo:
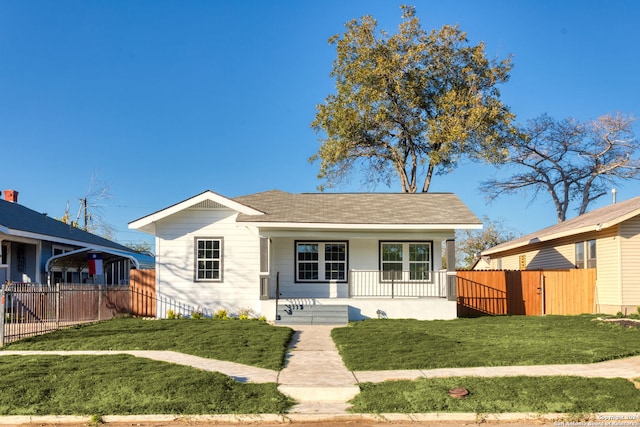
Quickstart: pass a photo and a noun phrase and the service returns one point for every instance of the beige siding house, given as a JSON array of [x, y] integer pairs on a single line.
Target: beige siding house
[[373, 254], [607, 239]]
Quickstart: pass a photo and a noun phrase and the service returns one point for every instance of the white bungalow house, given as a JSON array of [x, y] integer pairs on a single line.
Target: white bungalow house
[[297, 257]]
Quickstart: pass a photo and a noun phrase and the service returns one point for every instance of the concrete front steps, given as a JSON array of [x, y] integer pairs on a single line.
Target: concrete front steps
[[295, 313]]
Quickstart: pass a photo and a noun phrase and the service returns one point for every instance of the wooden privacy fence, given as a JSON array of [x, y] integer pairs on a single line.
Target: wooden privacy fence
[[28, 309], [143, 292], [526, 292]]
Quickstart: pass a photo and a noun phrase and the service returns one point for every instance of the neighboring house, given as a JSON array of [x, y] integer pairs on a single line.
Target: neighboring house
[[40, 249], [607, 239], [376, 255]]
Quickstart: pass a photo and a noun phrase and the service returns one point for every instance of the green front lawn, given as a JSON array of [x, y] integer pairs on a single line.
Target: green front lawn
[[573, 395], [485, 341], [122, 384], [249, 342]]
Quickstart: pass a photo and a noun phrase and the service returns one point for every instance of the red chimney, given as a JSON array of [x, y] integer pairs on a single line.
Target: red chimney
[[11, 196]]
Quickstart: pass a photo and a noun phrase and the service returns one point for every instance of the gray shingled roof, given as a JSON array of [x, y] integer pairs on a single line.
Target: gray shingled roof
[[357, 208], [601, 218], [18, 217]]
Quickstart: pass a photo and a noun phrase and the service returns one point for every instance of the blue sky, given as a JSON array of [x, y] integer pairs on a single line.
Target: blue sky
[[162, 100]]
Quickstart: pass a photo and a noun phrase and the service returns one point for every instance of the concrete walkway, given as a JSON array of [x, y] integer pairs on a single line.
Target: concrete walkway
[[237, 371], [315, 376]]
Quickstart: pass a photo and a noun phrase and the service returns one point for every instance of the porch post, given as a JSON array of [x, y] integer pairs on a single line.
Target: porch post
[[451, 270], [333, 289]]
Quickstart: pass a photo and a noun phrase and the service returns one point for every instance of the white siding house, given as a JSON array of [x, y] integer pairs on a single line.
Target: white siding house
[[607, 239], [375, 254]]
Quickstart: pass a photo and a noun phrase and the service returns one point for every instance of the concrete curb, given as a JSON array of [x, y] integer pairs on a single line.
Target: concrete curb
[[605, 418]]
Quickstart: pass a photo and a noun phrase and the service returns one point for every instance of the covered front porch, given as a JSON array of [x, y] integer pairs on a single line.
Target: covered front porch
[[372, 274]]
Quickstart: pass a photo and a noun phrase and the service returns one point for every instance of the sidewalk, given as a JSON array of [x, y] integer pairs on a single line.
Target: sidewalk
[[315, 376]]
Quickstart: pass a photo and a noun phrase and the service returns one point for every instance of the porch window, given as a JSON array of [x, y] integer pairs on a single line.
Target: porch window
[[412, 257], [391, 261], [208, 259], [321, 261], [335, 257], [308, 261], [419, 261]]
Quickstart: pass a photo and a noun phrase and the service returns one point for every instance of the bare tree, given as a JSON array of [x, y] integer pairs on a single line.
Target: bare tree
[[575, 163], [470, 242], [89, 216]]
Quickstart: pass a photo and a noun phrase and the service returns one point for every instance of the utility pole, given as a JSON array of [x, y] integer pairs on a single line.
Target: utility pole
[[83, 201]]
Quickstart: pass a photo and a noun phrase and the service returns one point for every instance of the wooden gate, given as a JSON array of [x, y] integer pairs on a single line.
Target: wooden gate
[[522, 292], [142, 284]]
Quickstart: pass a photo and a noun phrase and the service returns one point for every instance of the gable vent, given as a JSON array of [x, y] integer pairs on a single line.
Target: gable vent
[[208, 204]]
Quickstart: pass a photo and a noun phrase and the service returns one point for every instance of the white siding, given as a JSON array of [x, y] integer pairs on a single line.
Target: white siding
[[175, 242], [630, 250]]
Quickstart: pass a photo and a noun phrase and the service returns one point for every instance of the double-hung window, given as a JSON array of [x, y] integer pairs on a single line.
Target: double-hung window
[[392, 260], [208, 259], [321, 261], [406, 260], [586, 254]]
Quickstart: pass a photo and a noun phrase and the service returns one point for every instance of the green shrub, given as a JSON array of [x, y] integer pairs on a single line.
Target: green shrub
[[246, 314], [171, 314], [221, 314]]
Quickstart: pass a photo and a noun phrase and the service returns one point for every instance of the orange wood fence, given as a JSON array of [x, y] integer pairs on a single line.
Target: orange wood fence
[[142, 284], [526, 292]]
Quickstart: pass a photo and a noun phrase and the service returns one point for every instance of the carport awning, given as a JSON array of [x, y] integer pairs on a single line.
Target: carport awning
[[78, 259]]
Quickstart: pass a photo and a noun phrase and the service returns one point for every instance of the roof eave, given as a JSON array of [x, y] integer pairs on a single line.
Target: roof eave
[[547, 238], [144, 223], [49, 238], [334, 226]]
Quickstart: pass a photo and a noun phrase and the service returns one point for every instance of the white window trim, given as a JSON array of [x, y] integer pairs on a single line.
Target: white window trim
[[406, 262], [588, 260], [220, 258], [321, 261], [64, 249]]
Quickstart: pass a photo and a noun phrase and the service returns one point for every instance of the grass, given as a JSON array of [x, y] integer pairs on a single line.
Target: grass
[[248, 342], [486, 341], [504, 394], [122, 384]]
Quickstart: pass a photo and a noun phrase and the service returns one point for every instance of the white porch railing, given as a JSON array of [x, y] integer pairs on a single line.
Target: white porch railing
[[392, 284]]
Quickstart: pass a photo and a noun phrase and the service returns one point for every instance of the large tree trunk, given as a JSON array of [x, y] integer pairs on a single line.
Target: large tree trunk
[[427, 179]]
